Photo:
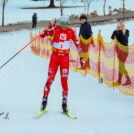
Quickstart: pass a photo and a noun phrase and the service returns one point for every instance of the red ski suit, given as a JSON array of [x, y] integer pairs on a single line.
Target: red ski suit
[[60, 57]]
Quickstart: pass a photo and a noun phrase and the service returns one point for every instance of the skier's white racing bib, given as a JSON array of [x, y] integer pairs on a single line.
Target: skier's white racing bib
[[62, 45]]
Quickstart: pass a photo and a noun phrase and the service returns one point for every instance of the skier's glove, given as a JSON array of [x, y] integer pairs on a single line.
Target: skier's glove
[[82, 62], [49, 25], [52, 23]]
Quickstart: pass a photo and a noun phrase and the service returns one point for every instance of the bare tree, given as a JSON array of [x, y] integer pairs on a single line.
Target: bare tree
[[84, 6], [104, 7], [62, 2], [51, 3], [3, 3], [123, 9], [61, 7], [87, 4]]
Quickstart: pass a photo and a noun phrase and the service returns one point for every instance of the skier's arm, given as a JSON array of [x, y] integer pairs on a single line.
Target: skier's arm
[[77, 43], [47, 33]]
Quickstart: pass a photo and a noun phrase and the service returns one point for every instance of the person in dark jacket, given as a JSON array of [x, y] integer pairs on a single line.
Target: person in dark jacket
[[85, 34], [85, 28], [34, 20], [122, 35]]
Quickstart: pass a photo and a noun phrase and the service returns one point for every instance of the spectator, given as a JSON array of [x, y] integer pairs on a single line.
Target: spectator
[[85, 28], [34, 20], [122, 35], [85, 33]]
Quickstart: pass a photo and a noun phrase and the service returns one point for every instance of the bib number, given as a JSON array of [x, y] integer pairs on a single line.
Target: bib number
[[61, 46]]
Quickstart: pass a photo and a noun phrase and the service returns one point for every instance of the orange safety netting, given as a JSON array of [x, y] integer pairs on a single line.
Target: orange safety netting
[[111, 62]]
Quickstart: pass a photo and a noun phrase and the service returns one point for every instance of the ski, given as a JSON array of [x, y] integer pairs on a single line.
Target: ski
[[40, 113], [2, 113], [69, 115]]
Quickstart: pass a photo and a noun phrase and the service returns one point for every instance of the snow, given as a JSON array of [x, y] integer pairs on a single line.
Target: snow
[[14, 13], [99, 109]]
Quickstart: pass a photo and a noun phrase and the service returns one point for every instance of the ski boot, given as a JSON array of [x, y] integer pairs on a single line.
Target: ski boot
[[64, 108], [43, 106]]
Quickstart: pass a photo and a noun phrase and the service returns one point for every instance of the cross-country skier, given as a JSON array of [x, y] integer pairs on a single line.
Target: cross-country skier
[[63, 36]]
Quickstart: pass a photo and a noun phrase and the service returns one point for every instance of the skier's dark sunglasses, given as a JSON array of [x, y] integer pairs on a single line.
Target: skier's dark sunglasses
[[64, 23]]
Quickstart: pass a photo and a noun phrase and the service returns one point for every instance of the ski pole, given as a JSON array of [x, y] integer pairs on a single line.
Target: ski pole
[[23, 48], [28, 44]]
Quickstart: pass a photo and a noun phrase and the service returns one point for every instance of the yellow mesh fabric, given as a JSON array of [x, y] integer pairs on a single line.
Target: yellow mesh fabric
[[112, 62]]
